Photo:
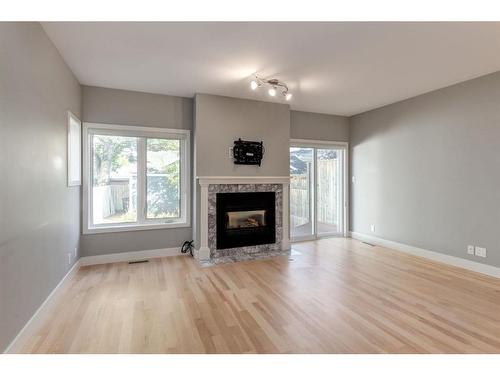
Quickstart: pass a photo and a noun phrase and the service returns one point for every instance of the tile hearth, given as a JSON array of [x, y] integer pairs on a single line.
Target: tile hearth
[[244, 257]]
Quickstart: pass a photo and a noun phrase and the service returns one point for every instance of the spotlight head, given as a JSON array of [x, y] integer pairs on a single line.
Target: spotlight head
[[288, 96], [254, 85], [272, 91]]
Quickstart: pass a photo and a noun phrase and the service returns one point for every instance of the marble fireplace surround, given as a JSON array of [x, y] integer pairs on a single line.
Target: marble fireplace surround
[[210, 186]]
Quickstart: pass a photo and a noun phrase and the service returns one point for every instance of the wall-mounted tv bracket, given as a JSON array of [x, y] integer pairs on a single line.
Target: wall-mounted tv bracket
[[248, 152]]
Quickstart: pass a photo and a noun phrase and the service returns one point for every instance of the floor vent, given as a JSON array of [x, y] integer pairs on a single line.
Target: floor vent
[[369, 244], [138, 261]]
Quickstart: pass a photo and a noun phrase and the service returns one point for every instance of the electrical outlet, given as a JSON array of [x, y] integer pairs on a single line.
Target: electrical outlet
[[481, 252], [75, 252], [69, 258], [353, 179], [372, 227], [470, 249]]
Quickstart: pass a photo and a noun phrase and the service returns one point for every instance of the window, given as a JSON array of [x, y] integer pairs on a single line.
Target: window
[[74, 150], [135, 178]]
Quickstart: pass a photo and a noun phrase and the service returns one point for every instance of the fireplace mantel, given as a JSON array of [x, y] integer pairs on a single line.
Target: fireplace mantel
[[203, 252], [218, 180]]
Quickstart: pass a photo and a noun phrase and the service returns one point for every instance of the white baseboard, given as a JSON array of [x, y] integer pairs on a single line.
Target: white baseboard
[[428, 254], [285, 244], [35, 322], [203, 253], [130, 256]]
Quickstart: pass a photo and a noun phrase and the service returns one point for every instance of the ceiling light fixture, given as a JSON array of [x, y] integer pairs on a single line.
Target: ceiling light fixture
[[274, 85]]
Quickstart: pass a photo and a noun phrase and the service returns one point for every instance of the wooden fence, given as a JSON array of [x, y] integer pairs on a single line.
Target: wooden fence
[[328, 195]]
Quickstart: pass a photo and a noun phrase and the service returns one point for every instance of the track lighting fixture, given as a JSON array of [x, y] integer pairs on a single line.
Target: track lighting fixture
[[274, 85]]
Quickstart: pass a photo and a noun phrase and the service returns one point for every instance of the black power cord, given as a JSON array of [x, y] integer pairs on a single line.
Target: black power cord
[[187, 246]]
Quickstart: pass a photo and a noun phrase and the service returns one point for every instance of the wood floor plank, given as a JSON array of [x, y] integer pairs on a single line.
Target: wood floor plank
[[330, 296]]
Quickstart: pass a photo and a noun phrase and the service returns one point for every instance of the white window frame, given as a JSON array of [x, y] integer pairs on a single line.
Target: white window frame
[[142, 222], [74, 158]]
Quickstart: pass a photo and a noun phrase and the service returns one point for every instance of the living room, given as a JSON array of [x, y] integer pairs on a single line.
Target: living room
[[249, 187]]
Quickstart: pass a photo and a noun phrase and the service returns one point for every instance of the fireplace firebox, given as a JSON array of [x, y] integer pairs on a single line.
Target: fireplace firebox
[[245, 219]]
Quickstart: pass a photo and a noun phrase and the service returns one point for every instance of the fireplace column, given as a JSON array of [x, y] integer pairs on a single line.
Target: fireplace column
[[285, 242], [204, 250]]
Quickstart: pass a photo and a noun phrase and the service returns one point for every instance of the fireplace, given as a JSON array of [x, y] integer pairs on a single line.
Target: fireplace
[[238, 211], [245, 219]]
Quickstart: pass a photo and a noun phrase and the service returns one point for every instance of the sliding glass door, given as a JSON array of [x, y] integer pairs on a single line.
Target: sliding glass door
[[301, 191], [317, 189]]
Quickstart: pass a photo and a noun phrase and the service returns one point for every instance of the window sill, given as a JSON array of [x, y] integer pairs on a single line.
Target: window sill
[[134, 227]]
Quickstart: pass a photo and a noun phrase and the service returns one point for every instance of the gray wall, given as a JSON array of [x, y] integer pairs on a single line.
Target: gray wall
[[318, 126], [39, 213], [221, 120], [110, 106], [102, 105], [427, 170]]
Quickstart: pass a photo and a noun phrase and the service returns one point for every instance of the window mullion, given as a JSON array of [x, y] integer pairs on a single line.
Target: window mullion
[[141, 180], [182, 192], [89, 159]]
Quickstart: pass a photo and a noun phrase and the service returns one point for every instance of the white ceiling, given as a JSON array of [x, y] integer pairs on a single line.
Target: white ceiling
[[338, 68]]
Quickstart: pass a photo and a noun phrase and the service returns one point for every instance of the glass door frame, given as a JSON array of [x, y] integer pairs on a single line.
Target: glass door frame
[[344, 147]]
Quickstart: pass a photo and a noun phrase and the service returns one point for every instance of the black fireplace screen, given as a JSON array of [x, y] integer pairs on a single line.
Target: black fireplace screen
[[245, 219]]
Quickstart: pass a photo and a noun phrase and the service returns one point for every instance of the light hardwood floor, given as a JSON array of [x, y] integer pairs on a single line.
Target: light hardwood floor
[[332, 296]]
